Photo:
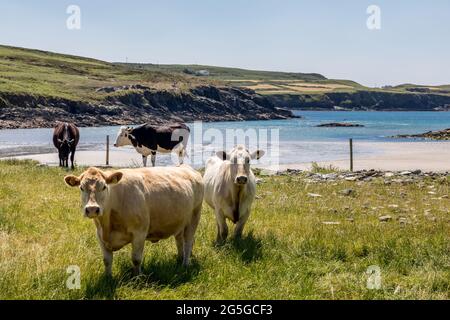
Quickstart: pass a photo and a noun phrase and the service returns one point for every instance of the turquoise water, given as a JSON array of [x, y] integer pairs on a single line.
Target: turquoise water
[[379, 126], [299, 140]]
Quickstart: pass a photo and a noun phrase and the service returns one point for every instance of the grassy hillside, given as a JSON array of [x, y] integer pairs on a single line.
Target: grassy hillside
[[228, 74], [279, 83], [263, 82], [287, 252], [443, 89], [55, 75], [47, 74]]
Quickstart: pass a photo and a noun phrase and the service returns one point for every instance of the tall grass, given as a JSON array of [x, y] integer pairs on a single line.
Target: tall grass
[[287, 252]]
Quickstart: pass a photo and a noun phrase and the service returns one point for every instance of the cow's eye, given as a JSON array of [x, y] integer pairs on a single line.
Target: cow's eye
[[247, 161], [81, 188], [104, 188]]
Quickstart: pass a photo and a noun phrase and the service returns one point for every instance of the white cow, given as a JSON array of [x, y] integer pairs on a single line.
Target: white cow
[[134, 205], [230, 188]]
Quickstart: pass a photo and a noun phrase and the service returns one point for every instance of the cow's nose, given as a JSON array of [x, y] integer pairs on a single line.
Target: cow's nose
[[115, 145], [92, 210], [241, 180]]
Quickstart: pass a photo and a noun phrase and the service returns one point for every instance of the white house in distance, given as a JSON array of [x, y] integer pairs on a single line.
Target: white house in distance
[[203, 73]]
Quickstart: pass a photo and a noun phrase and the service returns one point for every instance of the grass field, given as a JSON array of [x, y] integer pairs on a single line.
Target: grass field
[[287, 251]]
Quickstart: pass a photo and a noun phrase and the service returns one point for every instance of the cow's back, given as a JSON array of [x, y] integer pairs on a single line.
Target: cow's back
[[160, 201], [159, 138]]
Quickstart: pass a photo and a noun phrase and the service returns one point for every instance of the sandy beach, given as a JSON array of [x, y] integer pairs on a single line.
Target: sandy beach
[[390, 156], [394, 156]]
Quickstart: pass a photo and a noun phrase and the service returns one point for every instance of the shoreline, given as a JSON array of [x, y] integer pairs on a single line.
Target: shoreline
[[6, 124], [427, 156]]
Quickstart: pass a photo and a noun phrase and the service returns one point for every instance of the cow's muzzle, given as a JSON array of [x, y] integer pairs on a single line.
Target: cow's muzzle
[[92, 211]]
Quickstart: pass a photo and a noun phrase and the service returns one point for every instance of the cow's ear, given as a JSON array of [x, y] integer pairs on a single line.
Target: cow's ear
[[223, 155], [72, 181], [258, 154], [114, 178]]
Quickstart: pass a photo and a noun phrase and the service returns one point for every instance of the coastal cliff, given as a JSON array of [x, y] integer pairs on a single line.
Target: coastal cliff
[[138, 104], [364, 100]]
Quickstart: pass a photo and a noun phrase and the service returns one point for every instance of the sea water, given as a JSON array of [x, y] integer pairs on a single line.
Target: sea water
[[295, 140]]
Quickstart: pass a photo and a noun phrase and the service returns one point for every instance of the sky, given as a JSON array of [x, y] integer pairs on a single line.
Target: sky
[[323, 36]]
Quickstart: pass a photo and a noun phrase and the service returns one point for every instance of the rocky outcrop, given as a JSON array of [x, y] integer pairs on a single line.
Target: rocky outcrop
[[388, 177], [340, 125], [431, 135], [365, 100], [139, 105]]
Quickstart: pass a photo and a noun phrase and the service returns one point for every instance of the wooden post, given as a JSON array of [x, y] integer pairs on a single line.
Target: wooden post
[[351, 155], [107, 150]]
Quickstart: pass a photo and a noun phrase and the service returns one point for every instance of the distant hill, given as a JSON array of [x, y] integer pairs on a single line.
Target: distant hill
[[276, 83], [226, 74]]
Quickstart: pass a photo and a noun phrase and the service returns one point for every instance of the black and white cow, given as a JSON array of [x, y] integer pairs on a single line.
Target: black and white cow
[[148, 139]]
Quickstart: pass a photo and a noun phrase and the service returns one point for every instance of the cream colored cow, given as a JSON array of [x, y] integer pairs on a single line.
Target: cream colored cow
[[134, 205], [230, 188]]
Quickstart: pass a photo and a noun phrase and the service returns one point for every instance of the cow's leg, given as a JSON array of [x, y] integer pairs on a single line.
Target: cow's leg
[[243, 217], [144, 160], [222, 228], [107, 259], [153, 158], [72, 157], [60, 161], [189, 233], [181, 156], [137, 250], [179, 238]]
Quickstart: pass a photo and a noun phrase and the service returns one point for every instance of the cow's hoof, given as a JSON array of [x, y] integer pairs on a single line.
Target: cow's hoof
[[185, 264], [220, 242], [137, 272]]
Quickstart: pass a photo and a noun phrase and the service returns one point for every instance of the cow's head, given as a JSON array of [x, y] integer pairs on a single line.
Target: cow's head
[[94, 185], [65, 145], [240, 159], [123, 137]]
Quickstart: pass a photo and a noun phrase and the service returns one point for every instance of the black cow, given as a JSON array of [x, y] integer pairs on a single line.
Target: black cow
[[65, 138], [148, 139]]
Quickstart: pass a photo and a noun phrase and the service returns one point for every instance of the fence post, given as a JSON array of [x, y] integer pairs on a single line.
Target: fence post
[[107, 150], [351, 155]]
